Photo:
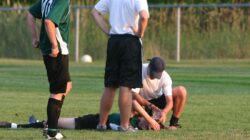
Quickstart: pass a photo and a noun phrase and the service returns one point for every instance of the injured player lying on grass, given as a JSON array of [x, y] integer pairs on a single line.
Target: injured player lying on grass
[[139, 120]]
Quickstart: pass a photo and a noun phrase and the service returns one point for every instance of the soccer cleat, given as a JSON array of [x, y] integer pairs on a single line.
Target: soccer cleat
[[101, 127], [174, 127], [45, 128], [45, 131], [5, 125], [113, 126], [58, 136], [129, 129], [32, 119]]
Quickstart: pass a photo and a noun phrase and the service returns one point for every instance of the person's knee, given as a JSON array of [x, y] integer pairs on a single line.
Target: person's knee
[[182, 92]]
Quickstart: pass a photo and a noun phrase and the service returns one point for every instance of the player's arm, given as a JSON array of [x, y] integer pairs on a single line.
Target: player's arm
[[143, 22], [51, 32], [100, 21], [140, 99], [167, 108], [145, 115], [32, 27], [143, 102]]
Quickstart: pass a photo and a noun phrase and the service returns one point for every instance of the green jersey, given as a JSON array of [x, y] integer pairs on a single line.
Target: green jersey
[[115, 118], [58, 12]]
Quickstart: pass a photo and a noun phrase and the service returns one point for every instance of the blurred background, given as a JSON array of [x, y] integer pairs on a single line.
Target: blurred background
[[177, 30]]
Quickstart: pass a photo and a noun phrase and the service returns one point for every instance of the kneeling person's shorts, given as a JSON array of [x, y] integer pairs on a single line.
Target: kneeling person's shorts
[[57, 72]]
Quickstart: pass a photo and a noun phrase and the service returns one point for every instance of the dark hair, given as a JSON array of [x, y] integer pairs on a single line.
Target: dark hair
[[156, 65]]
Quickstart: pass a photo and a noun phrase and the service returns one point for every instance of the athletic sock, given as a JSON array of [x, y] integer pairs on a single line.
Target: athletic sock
[[173, 121], [5, 124], [61, 103], [53, 113], [32, 125], [13, 125]]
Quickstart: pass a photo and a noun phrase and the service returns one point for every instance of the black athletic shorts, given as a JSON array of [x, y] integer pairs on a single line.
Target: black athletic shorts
[[89, 121], [159, 102], [124, 61], [57, 72]]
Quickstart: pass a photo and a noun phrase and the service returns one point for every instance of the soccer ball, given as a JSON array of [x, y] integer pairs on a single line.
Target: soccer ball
[[86, 58]]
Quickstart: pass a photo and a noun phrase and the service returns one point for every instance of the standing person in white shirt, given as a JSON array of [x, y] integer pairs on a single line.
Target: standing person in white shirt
[[157, 90], [128, 20]]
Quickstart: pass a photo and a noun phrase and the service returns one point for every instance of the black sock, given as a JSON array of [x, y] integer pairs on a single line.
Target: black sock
[[61, 103], [173, 121], [32, 125], [53, 113], [5, 124]]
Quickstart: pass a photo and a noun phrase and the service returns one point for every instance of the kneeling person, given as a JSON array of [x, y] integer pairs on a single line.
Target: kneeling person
[[157, 90]]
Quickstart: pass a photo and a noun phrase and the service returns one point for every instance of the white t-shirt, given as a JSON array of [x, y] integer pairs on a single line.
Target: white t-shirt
[[154, 88], [123, 14]]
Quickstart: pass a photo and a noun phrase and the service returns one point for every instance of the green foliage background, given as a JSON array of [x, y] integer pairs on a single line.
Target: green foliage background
[[90, 2], [206, 33]]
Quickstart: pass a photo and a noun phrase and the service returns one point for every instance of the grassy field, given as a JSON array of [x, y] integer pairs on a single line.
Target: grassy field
[[217, 106]]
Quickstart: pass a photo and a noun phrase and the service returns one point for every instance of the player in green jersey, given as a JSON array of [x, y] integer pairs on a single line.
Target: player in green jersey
[[53, 43]]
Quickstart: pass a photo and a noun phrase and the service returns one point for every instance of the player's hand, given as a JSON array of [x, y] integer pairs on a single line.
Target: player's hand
[[136, 32], [54, 52], [133, 29], [140, 35], [35, 42], [154, 125], [163, 117]]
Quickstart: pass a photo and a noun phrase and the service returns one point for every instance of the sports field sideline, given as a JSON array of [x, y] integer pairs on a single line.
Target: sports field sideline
[[217, 106]]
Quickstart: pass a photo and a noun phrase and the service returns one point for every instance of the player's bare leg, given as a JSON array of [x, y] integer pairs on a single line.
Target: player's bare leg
[[54, 107], [66, 123], [125, 105], [179, 100], [105, 106]]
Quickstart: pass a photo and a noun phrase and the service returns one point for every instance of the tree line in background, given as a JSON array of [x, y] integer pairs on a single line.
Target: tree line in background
[[91, 2], [208, 32]]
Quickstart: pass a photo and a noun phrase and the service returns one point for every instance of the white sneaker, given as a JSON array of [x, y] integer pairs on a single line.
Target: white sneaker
[[101, 128], [114, 126], [58, 136], [129, 129]]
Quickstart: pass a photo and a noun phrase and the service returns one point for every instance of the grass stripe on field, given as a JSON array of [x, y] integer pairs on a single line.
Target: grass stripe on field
[[217, 108]]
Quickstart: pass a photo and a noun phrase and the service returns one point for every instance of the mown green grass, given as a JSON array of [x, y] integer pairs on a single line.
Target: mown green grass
[[217, 106]]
